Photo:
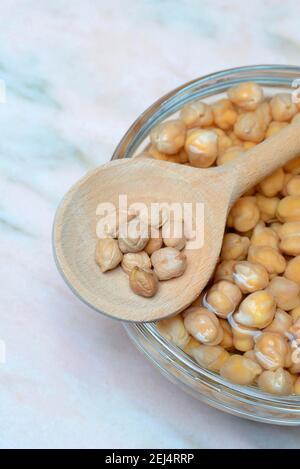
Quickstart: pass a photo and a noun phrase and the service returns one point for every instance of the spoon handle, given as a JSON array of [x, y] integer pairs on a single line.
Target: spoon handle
[[263, 159]]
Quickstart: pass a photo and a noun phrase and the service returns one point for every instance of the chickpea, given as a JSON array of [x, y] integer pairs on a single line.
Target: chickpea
[[276, 226], [247, 96], [168, 137], [273, 184], [297, 387], [264, 236], [244, 215], [227, 341], [143, 282], [264, 113], [242, 341], [267, 207], [289, 234], [229, 155], [282, 107], [224, 271], [292, 271], [203, 325], [249, 145], [256, 310], [173, 329], [251, 355], [285, 293], [172, 233], [250, 277], [293, 186], [201, 146], [224, 114], [135, 259], [281, 323], [293, 166], [250, 127], [208, 356], [224, 142], [223, 298], [274, 128], [197, 114], [278, 382], [296, 118], [108, 254], [135, 237], [235, 247], [289, 209], [270, 350], [240, 370], [155, 242], [295, 313], [168, 263], [235, 140], [269, 257]]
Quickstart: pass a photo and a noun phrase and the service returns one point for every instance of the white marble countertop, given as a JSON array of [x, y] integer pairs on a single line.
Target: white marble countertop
[[77, 74]]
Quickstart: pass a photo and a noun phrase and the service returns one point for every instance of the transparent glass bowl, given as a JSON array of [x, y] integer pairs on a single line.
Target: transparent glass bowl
[[243, 401]]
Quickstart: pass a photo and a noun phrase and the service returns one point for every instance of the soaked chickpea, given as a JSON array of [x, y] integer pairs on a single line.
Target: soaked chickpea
[[224, 271], [263, 112], [256, 310], [223, 298], [244, 215], [227, 341], [281, 323], [289, 234], [224, 141], [274, 128], [250, 127], [273, 184], [201, 146], [292, 271], [197, 114], [289, 209], [278, 382], [269, 257], [208, 356], [270, 350], [229, 155], [247, 96], [240, 370], [248, 145], [285, 293], [295, 313], [235, 247], [264, 236], [267, 207], [293, 166], [242, 339], [168, 137], [203, 325], [173, 330], [250, 277], [293, 186], [282, 107], [224, 113]]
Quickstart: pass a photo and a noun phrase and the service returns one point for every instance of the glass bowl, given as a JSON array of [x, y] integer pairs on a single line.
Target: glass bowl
[[243, 401]]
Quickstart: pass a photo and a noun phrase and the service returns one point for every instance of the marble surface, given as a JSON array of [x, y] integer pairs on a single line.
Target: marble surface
[[77, 74]]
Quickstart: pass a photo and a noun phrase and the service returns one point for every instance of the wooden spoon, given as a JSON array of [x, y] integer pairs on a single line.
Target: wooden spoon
[[158, 181]]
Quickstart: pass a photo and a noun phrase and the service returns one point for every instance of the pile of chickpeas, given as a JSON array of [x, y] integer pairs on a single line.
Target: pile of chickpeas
[[246, 324]]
